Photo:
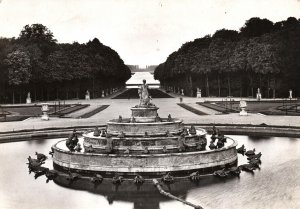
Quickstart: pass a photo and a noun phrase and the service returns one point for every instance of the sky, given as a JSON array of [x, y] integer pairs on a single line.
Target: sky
[[143, 32]]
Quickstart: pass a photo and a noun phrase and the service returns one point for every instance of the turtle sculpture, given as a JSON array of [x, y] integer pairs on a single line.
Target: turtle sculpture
[[40, 157], [250, 152], [212, 146], [241, 149], [195, 176], [192, 130], [50, 175], [138, 179], [257, 156], [96, 132], [168, 179], [97, 179], [117, 179]]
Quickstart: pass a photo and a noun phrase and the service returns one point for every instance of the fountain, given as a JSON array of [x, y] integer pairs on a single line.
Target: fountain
[[144, 149], [145, 145]]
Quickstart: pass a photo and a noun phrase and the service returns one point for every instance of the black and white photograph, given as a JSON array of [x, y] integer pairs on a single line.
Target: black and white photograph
[[150, 104]]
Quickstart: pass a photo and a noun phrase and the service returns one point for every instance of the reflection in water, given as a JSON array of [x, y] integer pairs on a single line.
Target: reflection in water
[[258, 138], [143, 196], [276, 185]]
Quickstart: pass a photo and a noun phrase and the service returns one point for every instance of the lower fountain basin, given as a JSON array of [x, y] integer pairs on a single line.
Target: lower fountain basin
[[146, 164]]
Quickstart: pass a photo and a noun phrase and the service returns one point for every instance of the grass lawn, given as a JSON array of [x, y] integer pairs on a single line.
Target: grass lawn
[[18, 113], [284, 107], [191, 109]]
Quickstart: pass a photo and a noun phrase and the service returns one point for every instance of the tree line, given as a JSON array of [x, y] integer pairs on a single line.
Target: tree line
[[34, 62], [262, 54]]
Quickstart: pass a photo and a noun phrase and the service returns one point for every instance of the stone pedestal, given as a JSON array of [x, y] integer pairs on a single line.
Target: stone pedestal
[[144, 114], [243, 112], [199, 93], [87, 95], [258, 95], [243, 105], [28, 99], [45, 109], [182, 93], [290, 94], [102, 94]]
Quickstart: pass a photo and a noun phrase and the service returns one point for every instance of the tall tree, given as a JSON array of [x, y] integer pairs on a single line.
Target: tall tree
[[19, 68], [256, 27]]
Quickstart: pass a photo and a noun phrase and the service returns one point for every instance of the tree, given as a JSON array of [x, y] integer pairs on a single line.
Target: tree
[[221, 49], [19, 68], [256, 27], [262, 54], [40, 35]]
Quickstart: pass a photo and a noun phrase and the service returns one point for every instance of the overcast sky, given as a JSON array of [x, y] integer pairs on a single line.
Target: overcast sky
[[143, 32]]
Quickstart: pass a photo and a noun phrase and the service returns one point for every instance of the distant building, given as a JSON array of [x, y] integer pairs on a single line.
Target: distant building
[[138, 74]]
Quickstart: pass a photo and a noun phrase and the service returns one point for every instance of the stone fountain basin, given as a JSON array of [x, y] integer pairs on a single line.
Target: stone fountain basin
[[154, 164], [137, 144], [139, 128]]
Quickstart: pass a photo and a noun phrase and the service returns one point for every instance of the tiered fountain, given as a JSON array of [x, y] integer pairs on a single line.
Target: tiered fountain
[[144, 144]]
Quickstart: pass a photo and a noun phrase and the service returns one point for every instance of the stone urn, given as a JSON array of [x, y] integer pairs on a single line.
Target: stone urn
[[243, 105], [45, 110]]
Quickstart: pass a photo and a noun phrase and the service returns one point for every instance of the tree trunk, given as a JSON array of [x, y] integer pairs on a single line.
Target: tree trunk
[[67, 93], [48, 94], [219, 85], [34, 92], [93, 87], [190, 84], [274, 88], [241, 86], [268, 87], [229, 86], [13, 95], [251, 86], [260, 82], [207, 84], [43, 94], [20, 96]]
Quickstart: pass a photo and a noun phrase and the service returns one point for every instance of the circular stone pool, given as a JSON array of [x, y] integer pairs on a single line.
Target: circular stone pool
[[147, 164], [275, 185]]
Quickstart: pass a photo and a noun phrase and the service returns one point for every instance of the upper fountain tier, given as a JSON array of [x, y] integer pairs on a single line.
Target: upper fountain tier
[[145, 111], [144, 118]]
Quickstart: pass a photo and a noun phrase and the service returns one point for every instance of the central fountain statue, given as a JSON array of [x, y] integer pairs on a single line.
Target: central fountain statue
[[144, 94]]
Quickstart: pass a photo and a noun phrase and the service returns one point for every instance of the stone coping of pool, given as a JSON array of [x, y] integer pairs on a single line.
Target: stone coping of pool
[[144, 163]]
